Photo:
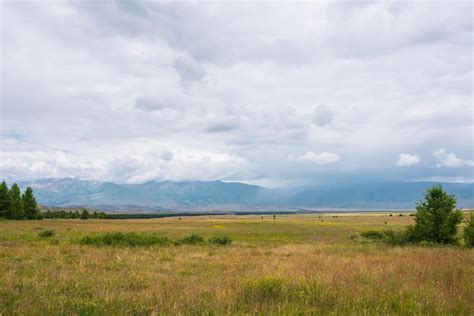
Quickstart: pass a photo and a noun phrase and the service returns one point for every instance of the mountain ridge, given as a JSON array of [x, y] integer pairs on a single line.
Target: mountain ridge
[[207, 195]]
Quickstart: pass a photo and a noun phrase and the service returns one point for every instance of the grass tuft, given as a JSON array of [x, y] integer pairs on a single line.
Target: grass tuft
[[46, 233], [221, 241]]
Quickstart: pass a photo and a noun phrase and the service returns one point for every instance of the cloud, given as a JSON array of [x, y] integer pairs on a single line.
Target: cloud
[[322, 115], [150, 105], [450, 160], [322, 158], [405, 160], [132, 80], [188, 69]]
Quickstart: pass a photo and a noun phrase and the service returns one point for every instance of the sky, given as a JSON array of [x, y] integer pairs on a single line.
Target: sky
[[271, 93]]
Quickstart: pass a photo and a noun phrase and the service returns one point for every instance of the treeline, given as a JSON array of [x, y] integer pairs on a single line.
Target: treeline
[[15, 205], [84, 214]]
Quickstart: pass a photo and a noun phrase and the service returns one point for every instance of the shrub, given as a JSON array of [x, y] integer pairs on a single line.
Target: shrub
[[46, 233], [224, 240], [125, 239], [469, 231], [372, 234], [193, 239], [396, 238]]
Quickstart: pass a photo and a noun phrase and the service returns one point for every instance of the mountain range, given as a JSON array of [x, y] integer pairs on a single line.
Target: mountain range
[[217, 195]]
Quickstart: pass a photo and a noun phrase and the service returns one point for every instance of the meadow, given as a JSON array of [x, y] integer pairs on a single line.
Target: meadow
[[295, 264]]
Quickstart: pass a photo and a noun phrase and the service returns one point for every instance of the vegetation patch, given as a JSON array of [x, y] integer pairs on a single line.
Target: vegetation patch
[[372, 234], [193, 239], [130, 239], [46, 233], [221, 241], [263, 290]]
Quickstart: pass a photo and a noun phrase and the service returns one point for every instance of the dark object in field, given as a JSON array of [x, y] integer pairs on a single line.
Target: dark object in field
[[126, 239], [224, 240], [46, 233]]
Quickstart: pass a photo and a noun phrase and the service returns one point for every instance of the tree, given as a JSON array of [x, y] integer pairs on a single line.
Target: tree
[[436, 219], [85, 214], [469, 231], [30, 205], [4, 200], [16, 207]]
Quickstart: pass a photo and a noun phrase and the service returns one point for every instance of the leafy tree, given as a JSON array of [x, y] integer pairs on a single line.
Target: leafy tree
[[436, 219], [30, 205], [16, 206], [469, 231], [4, 200], [85, 214]]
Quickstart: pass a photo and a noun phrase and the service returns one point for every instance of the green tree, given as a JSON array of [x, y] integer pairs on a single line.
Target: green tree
[[469, 231], [16, 207], [85, 214], [4, 200], [29, 203], [436, 219]]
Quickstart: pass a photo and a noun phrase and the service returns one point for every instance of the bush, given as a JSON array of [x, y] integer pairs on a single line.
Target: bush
[[125, 239], [396, 238], [224, 240], [46, 233], [372, 234], [193, 239], [469, 231]]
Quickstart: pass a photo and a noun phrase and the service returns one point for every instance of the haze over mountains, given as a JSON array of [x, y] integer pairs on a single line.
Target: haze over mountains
[[218, 195]]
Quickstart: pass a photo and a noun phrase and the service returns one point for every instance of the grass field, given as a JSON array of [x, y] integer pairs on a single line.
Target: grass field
[[302, 264]]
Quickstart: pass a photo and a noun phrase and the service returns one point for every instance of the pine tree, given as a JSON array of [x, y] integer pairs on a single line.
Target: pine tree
[[16, 207], [436, 219], [4, 200], [29, 203]]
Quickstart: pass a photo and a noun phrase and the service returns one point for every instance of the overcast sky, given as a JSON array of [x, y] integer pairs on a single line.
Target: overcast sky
[[268, 93]]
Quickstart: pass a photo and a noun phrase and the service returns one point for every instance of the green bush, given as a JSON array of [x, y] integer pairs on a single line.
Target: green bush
[[46, 233], [125, 239], [469, 231], [372, 234], [224, 240], [396, 238], [193, 239]]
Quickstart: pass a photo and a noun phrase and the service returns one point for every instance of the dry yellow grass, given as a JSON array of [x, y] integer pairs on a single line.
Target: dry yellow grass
[[293, 265]]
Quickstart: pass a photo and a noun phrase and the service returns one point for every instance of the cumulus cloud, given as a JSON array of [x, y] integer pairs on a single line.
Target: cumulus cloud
[[450, 160], [322, 158], [405, 160]]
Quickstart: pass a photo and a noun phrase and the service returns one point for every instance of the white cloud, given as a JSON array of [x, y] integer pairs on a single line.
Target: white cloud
[[322, 158], [405, 160], [450, 160]]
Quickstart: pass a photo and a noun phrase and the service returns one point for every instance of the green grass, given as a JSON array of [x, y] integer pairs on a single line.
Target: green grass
[[294, 265]]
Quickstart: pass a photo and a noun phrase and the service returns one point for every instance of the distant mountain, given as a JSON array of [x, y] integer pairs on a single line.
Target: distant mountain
[[218, 195]]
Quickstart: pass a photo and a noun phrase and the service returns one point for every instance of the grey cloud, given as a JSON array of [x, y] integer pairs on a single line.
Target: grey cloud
[[220, 128], [151, 104], [188, 69], [322, 115], [115, 85]]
